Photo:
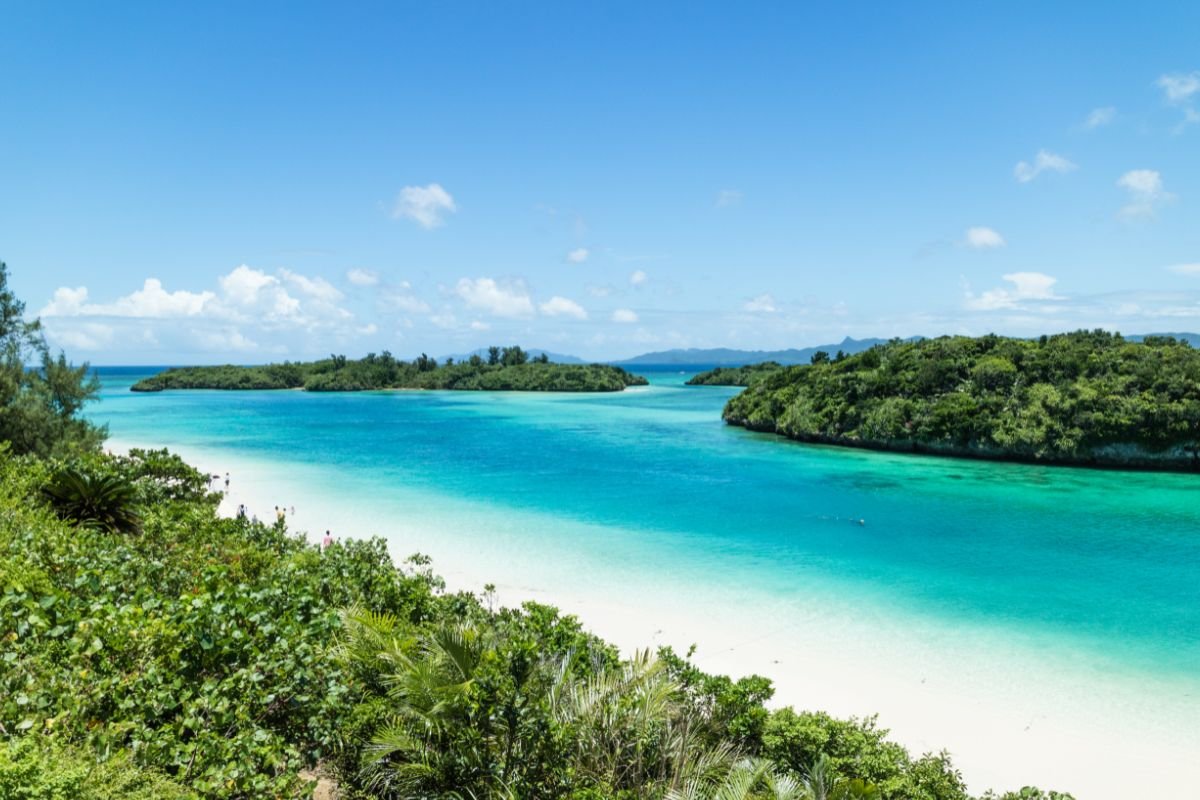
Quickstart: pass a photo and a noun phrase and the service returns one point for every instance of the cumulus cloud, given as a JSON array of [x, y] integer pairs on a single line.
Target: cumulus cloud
[[1099, 117], [578, 255], [317, 288], [562, 307], [362, 277], [501, 300], [764, 303], [728, 197], [1146, 192], [626, 315], [1044, 161], [638, 277], [246, 295], [981, 238], [424, 205], [151, 301], [1026, 286]]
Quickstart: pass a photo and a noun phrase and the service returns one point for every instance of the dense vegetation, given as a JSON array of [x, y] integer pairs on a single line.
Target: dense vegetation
[[40, 393], [152, 649], [1081, 398], [505, 369], [735, 376], [205, 657]]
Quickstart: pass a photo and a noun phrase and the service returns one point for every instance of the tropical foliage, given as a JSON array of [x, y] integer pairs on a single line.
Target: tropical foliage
[[505, 369], [1089, 397], [41, 394], [735, 376], [223, 657]]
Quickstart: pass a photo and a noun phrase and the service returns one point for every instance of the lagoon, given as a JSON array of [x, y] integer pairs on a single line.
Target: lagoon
[[1041, 623]]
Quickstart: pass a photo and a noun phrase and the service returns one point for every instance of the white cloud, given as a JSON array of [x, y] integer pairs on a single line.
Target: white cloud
[[764, 303], [362, 277], [83, 336], [1146, 192], [1185, 269], [578, 255], [246, 295], [317, 288], [66, 302], [243, 284], [981, 238], [151, 301], [1179, 88], [562, 307], [600, 290], [508, 300], [444, 320], [1099, 117], [728, 197], [223, 340], [638, 277], [367, 330], [1025, 286], [400, 298], [424, 205], [476, 325], [624, 315], [1044, 161]]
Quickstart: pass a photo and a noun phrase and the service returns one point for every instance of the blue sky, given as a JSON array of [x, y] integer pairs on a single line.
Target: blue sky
[[246, 182]]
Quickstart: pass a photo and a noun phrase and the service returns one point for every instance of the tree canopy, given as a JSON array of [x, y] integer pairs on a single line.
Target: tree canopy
[[1089, 397], [41, 393], [506, 369]]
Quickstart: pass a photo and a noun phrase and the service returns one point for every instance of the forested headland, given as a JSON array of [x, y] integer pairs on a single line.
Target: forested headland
[[1084, 398], [734, 376], [504, 369]]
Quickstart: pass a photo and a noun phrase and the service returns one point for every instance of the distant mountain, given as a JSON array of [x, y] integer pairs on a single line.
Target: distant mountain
[[726, 357], [1191, 338], [555, 358]]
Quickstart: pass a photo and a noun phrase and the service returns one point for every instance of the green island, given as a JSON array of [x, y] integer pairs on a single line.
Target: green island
[[504, 369], [735, 376], [1087, 398], [153, 649]]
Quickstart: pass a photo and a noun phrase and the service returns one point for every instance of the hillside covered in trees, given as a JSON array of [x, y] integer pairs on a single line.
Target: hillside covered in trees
[[1087, 398], [504, 369]]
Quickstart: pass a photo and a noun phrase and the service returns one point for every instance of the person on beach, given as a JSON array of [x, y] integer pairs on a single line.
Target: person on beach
[[328, 540], [226, 480]]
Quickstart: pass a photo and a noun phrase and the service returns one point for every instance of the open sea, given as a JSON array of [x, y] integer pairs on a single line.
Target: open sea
[[1012, 607]]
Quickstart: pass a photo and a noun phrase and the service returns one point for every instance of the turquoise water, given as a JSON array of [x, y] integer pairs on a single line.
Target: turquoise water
[[1103, 565]]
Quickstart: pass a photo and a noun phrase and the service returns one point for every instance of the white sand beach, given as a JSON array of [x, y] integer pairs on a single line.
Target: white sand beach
[[1009, 717]]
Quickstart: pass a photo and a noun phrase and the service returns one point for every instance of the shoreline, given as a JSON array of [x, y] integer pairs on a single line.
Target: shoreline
[[1189, 465], [933, 689]]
